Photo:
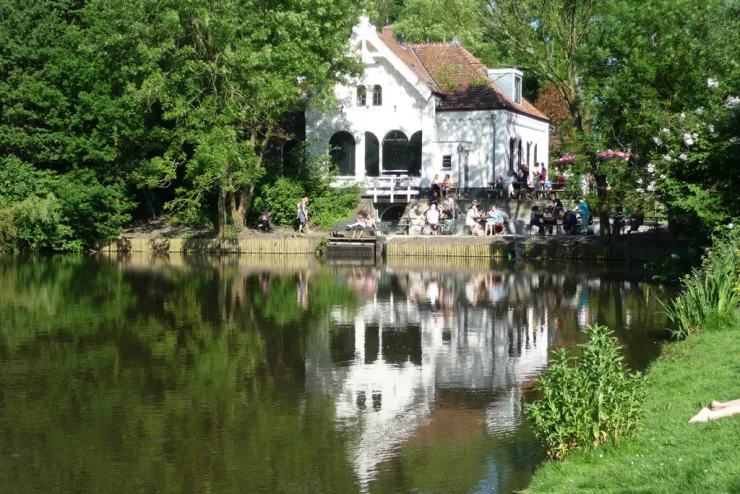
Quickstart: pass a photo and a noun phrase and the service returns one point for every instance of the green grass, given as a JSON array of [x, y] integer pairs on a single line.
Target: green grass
[[669, 455]]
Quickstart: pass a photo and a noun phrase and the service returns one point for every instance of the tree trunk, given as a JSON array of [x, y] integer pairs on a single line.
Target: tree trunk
[[222, 214], [238, 214], [603, 208]]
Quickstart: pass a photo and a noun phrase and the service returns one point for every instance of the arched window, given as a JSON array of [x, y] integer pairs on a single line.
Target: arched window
[[519, 159], [415, 164], [372, 155], [377, 95], [342, 152], [396, 152], [512, 153], [361, 96], [529, 148], [535, 154]]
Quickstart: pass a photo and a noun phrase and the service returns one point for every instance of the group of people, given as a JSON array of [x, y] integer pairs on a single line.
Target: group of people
[[544, 218], [513, 181], [363, 223], [492, 222]]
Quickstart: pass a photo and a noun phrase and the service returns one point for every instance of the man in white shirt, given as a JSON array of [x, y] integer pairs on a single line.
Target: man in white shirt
[[433, 218]]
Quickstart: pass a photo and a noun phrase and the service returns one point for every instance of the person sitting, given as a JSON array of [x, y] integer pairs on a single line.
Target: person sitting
[[509, 184], [536, 219], [358, 225], [432, 216], [491, 221], [570, 220], [495, 221], [448, 208], [559, 178], [435, 187], [471, 219], [446, 185], [370, 225], [434, 199], [637, 220], [557, 208]]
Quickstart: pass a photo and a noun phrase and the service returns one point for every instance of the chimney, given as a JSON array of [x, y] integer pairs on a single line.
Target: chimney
[[387, 29]]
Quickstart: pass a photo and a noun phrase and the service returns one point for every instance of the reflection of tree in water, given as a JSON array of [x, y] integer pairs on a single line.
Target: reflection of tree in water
[[211, 359], [184, 378]]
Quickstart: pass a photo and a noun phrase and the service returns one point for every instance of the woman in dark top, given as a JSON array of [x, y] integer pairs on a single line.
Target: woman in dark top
[[557, 208]]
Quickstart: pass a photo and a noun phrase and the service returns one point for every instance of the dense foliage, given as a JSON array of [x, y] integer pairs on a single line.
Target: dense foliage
[[710, 294], [305, 175], [589, 402], [172, 103]]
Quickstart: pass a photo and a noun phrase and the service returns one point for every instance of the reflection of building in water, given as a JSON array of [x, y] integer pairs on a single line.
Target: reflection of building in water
[[387, 364]]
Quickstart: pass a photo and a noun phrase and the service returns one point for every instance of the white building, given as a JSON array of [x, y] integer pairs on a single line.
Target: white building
[[426, 109]]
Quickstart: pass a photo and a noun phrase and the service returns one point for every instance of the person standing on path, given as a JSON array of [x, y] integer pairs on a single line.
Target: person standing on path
[[303, 216], [266, 220], [585, 213]]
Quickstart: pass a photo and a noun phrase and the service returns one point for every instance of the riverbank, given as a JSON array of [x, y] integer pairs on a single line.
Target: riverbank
[[643, 247], [669, 454]]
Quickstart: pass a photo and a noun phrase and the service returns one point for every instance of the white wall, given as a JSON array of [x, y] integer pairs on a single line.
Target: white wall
[[475, 131]]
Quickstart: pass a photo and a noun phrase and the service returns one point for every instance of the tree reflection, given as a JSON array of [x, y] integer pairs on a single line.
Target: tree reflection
[[226, 374]]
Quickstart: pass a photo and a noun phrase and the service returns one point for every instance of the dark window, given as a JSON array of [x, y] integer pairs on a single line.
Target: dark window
[[529, 147], [377, 95], [361, 96], [535, 154], [342, 152], [512, 153], [519, 159], [372, 155], [396, 152], [447, 162], [415, 164]]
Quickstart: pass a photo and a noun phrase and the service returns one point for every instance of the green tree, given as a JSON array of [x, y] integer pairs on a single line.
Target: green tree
[[225, 75], [664, 85]]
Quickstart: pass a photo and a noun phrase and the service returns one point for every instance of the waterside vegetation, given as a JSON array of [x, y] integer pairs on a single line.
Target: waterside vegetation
[[667, 453]]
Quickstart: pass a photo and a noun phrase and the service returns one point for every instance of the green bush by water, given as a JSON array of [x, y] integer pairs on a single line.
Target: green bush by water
[[711, 293], [587, 401]]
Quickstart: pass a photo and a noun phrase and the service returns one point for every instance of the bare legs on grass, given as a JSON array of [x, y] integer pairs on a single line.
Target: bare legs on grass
[[716, 410]]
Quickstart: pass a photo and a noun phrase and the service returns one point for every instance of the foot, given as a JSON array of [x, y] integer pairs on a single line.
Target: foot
[[701, 417]]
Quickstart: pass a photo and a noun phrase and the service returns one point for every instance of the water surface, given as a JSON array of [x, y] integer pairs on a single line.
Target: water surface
[[250, 374]]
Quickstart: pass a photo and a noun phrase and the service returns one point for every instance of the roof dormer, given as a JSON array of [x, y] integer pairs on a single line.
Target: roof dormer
[[509, 80]]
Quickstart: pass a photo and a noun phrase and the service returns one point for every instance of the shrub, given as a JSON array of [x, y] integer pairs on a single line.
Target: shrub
[[40, 225], [709, 293], [587, 401], [310, 176], [8, 231], [282, 197]]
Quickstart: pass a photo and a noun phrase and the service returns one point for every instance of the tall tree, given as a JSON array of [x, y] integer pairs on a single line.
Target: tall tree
[[225, 74]]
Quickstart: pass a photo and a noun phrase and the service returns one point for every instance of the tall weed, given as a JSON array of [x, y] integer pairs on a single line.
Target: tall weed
[[711, 293], [587, 401]]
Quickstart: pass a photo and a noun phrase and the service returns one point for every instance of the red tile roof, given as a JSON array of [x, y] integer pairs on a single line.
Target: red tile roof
[[452, 71], [409, 58]]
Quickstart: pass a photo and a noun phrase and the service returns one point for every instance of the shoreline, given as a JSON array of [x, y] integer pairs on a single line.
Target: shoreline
[[668, 454], [635, 248]]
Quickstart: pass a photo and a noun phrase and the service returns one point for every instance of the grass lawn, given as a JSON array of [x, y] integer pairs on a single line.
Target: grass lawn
[[668, 454]]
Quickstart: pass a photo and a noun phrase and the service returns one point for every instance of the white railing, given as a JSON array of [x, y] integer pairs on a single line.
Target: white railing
[[398, 186]]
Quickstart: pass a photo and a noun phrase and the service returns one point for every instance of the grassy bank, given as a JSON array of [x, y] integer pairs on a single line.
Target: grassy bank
[[668, 454]]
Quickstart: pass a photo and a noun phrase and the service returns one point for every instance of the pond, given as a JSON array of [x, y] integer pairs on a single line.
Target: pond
[[255, 374]]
